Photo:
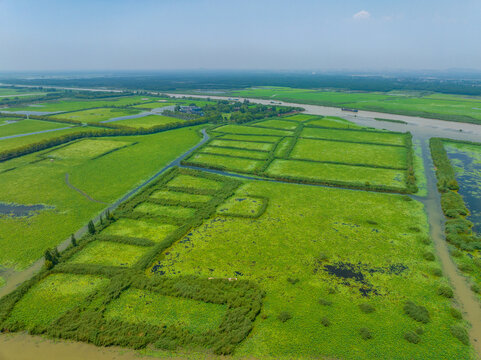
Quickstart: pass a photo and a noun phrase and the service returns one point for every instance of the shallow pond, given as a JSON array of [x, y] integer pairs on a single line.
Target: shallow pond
[[466, 160], [18, 210]]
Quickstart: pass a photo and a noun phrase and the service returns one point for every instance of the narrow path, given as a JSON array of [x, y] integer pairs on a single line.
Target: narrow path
[[34, 133], [85, 195], [16, 278]]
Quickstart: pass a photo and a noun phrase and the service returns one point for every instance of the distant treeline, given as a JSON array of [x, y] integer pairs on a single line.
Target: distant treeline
[[191, 80]]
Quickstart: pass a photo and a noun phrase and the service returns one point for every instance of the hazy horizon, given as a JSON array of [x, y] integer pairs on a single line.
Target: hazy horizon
[[125, 35]]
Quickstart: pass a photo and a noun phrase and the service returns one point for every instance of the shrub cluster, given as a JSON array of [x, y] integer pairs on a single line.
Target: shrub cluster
[[417, 312]]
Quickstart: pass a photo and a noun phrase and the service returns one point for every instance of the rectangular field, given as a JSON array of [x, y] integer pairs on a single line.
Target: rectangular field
[[145, 229], [96, 115], [25, 126], [277, 124], [336, 173], [234, 152], [225, 163], [350, 153], [85, 149], [301, 117], [148, 121], [250, 130], [260, 138], [178, 212], [139, 306], [180, 196], [194, 182], [52, 297], [333, 122], [355, 136], [247, 145]]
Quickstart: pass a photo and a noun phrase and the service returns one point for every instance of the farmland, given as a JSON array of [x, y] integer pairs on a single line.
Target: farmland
[[279, 236]]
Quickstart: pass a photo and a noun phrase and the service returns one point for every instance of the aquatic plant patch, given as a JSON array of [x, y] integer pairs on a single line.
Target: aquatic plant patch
[[52, 297], [150, 230], [243, 206]]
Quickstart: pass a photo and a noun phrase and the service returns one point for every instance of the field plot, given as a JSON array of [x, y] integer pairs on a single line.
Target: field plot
[[277, 124], [259, 138], [338, 268], [246, 145], [386, 138], [337, 174], [86, 149], [351, 153], [333, 122], [241, 153], [243, 206], [96, 115], [137, 306], [26, 180], [148, 121], [25, 126], [52, 297], [301, 117], [109, 254], [189, 181], [153, 105], [165, 210], [150, 230], [224, 162], [180, 196], [251, 130]]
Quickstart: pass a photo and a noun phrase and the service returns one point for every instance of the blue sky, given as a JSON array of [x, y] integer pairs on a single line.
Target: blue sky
[[242, 34]]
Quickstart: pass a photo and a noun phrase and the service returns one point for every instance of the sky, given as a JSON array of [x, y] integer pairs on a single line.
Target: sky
[[317, 35]]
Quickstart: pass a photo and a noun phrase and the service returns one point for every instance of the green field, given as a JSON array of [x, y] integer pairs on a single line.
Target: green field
[[96, 115], [189, 181], [355, 136], [215, 150], [439, 106], [148, 121], [180, 196], [269, 139], [153, 105], [290, 250], [301, 117], [52, 297], [277, 124], [27, 126], [145, 229], [137, 306], [249, 130], [105, 179], [246, 145], [165, 210], [336, 173], [224, 162], [333, 122], [352, 153], [86, 149]]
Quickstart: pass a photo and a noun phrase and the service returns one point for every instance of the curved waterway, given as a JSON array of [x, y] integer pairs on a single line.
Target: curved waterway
[[13, 346]]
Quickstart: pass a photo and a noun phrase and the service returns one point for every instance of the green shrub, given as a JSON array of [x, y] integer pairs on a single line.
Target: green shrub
[[293, 281], [475, 288], [417, 312], [437, 272], [455, 313], [365, 333], [477, 262], [426, 240], [445, 291], [460, 333], [419, 331], [429, 256], [465, 267], [284, 316], [325, 321], [367, 308], [91, 227], [456, 253], [325, 302], [412, 337]]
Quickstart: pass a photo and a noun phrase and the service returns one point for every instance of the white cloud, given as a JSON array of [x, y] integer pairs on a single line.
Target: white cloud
[[362, 15]]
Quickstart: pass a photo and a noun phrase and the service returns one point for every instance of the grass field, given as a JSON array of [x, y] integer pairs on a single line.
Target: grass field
[[188, 181], [24, 239], [12, 143], [293, 251], [27, 126], [234, 152], [86, 149], [96, 115], [447, 107], [277, 124], [353, 153], [250, 130], [301, 117], [52, 297], [109, 253], [180, 196], [163, 210], [244, 206], [138, 306], [153, 105], [246, 145], [146, 229], [148, 121], [323, 172], [225, 163], [271, 139], [356, 136], [333, 122]]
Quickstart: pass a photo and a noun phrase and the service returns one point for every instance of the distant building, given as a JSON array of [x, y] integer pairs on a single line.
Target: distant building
[[195, 110]]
